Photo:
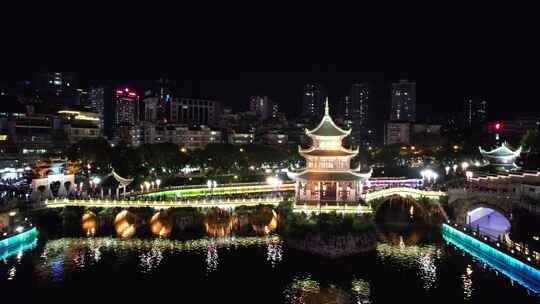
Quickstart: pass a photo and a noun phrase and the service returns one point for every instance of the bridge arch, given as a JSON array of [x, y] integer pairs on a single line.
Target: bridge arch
[[489, 219], [461, 207], [410, 206]]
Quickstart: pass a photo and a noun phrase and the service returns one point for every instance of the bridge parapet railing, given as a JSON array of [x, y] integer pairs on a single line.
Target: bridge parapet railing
[[403, 191], [519, 251], [518, 199], [164, 203], [286, 184]]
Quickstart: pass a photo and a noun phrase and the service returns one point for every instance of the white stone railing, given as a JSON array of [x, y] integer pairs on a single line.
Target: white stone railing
[[403, 191], [206, 203]]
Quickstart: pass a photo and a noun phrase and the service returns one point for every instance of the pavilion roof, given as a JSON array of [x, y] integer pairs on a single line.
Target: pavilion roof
[[327, 127], [502, 151]]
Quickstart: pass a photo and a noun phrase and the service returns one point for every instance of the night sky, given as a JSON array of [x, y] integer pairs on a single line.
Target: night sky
[[232, 52]]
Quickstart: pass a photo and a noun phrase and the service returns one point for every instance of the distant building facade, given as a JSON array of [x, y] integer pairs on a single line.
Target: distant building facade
[[356, 114], [263, 107], [56, 87], [475, 112], [313, 100], [126, 108], [195, 111], [403, 101], [401, 132], [157, 101]]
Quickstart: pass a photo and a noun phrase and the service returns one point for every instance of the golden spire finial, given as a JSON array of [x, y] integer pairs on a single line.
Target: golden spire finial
[[326, 108]]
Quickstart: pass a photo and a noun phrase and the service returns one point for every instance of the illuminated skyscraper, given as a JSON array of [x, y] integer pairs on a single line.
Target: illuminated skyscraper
[[313, 100], [126, 108], [403, 101], [475, 112]]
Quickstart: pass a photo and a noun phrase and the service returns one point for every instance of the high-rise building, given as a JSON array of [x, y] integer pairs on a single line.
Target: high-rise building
[[475, 112], [313, 100], [403, 101], [57, 87], [157, 101], [81, 97], [355, 113], [263, 107], [359, 98], [99, 99], [126, 108], [195, 111]]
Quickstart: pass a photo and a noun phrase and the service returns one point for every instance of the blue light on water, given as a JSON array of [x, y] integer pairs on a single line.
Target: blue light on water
[[509, 266], [18, 243]]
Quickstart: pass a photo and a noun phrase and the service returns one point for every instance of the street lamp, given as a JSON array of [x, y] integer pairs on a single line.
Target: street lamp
[[142, 188], [464, 166], [211, 184], [447, 169], [158, 182], [147, 185], [454, 167], [274, 182], [469, 175]]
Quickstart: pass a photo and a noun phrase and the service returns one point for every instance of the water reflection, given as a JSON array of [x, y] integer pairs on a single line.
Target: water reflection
[[305, 290], [151, 259], [219, 222], [212, 258], [89, 223], [124, 224], [264, 221], [361, 290], [274, 252], [406, 251], [161, 224], [68, 254], [11, 273], [467, 283]]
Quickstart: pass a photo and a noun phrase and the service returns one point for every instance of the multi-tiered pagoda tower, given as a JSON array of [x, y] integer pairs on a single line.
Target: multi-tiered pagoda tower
[[328, 177]]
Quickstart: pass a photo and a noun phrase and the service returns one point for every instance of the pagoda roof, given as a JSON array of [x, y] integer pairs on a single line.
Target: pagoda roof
[[348, 175], [502, 151], [329, 153], [327, 127]]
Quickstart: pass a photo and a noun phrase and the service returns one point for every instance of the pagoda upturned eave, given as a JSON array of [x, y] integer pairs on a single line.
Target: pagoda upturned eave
[[312, 175]]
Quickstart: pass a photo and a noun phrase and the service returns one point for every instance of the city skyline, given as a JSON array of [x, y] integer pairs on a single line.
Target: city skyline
[[481, 57]]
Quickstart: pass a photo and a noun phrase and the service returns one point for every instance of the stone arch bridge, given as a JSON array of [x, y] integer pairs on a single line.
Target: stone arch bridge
[[462, 201]]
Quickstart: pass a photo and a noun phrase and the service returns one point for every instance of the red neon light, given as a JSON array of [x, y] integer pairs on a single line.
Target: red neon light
[[119, 92], [126, 89], [132, 94], [497, 126]]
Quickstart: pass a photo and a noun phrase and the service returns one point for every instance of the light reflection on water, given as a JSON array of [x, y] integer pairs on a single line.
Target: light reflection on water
[[427, 264], [69, 254], [415, 257]]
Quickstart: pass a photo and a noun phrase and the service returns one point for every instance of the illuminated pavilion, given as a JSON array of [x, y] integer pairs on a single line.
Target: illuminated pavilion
[[501, 157], [328, 177]]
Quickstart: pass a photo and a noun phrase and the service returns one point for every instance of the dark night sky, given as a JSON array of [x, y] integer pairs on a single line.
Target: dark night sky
[[231, 52]]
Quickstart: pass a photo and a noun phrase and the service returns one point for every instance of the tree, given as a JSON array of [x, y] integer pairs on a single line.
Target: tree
[[531, 140], [95, 151]]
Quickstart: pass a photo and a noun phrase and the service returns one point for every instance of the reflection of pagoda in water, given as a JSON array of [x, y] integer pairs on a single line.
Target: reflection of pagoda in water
[[502, 157], [328, 177]]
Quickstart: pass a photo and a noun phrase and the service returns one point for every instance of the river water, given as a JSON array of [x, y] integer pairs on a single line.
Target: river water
[[412, 266]]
